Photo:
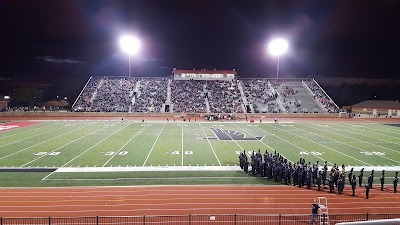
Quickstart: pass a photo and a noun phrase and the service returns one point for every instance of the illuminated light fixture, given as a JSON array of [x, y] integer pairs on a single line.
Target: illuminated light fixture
[[129, 45], [278, 47], [6, 97]]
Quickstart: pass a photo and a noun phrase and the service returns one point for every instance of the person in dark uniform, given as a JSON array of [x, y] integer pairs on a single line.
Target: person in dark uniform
[[301, 179], [360, 177], [330, 182], [367, 187], [340, 184], [395, 181], [314, 211], [372, 178], [382, 179], [324, 172], [246, 165], [319, 180], [308, 179], [353, 184], [350, 175]]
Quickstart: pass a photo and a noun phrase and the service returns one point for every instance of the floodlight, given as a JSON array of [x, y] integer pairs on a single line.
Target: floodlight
[[129, 44], [278, 47], [6, 97]]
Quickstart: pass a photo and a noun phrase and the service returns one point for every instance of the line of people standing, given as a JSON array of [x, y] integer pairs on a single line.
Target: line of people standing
[[276, 167]]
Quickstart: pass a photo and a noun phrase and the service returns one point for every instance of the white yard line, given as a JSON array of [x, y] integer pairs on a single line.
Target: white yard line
[[63, 145], [374, 132], [40, 143], [182, 142], [154, 144], [396, 143], [361, 141], [323, 160], [352, 146], [28, 130], [44, 178], [32, 136], [231, 138], [205, 136], [387, 128], [124, 145], [262, 141], [324, 146]]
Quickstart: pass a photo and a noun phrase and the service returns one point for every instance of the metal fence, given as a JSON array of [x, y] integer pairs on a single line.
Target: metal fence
[[233, 219]]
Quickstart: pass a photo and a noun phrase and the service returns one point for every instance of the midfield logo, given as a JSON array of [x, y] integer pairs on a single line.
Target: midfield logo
[[231, 135]]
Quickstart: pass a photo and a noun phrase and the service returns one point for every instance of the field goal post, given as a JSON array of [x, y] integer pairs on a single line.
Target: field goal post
[[323, 211]]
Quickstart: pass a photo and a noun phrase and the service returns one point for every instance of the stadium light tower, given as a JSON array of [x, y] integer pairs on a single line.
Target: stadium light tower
[[130, 45], [278, 47]]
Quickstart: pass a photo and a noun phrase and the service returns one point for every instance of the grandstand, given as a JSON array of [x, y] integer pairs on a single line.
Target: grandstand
[[202, 94]]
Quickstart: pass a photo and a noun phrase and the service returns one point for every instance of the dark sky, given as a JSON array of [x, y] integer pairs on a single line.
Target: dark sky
[[62, 42]]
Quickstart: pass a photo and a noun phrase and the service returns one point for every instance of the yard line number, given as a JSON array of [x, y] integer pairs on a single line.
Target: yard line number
[[119, 153], [47, 153], [178, 153]]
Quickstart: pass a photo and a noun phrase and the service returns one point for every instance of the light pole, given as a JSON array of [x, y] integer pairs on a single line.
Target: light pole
[[277, 48], [130, 45]]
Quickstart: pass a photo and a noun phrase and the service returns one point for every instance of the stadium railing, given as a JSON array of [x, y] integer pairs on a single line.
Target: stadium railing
[[195, 219]]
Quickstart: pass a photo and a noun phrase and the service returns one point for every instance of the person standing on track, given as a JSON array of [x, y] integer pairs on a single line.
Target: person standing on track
[[353, 184], [314, 210], [360, 177], [367, 187], [382, 178], [395, 181]]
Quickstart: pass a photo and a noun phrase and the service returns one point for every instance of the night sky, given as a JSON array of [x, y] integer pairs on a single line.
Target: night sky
[[58, 44]]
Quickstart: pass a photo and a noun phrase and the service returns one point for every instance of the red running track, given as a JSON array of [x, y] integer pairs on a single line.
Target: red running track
[[183, 200]]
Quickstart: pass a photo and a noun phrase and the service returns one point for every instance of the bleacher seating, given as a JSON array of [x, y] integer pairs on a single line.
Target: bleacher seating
[[150, 96], [225, 97], [260, 95], [122, 94], [188, 96]]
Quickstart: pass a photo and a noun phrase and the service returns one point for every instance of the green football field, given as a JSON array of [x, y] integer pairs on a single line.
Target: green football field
[[120, 153]]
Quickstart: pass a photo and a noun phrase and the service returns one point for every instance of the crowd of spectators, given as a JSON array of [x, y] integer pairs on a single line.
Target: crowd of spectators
[[257, 92], [291, 103], [320, 96], [151, 96], [288, 91], [110, 94], [225, 97], [113, 95], [85, 98], [189, 96], [32, 109]]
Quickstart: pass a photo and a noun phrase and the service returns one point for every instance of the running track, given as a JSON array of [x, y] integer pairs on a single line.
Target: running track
[[184, 200]]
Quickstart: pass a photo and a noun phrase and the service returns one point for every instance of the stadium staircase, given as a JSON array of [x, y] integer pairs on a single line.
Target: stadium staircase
[[95, 93], [245, 102], [278, 100]]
